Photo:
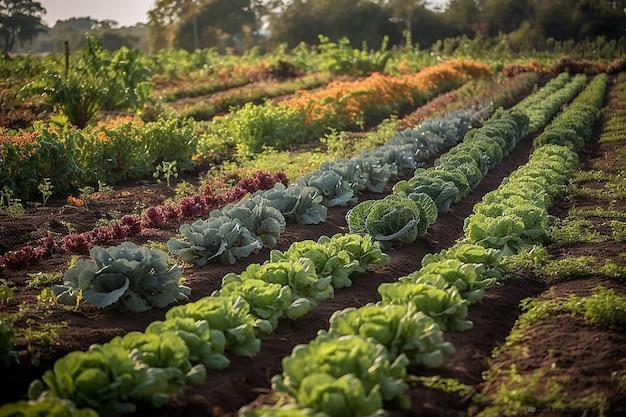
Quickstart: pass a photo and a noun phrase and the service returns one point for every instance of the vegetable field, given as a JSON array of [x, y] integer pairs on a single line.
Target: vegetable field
[[467, 258]]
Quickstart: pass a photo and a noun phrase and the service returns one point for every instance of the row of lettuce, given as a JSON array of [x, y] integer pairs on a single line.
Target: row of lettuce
[[125, 148], [153, 364], [358, 366]]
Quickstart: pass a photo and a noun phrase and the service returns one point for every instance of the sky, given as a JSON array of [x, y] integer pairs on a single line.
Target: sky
[[124, 12]]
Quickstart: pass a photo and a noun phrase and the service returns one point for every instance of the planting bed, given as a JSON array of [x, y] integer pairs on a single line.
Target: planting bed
[[587, 356]]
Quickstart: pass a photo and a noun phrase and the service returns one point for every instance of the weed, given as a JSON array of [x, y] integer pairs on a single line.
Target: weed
[[619, 230], [168, 170], [582, 265], [6, 291], [603, 307], [9, 205], [40, 279], [518, 394], [45, 188], [448, 385], [112, 217], [571, 230]]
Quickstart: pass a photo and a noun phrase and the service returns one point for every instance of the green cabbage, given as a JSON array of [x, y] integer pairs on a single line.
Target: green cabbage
[[126, 277], [216, 238]]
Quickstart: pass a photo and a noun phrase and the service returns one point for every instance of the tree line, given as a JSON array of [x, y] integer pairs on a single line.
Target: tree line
[[237, 25]]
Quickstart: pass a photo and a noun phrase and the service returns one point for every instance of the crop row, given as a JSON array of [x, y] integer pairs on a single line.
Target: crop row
[[359, 365], [405, 215]]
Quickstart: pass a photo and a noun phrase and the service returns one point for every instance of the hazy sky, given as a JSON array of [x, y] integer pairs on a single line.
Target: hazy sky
[[124, 12]]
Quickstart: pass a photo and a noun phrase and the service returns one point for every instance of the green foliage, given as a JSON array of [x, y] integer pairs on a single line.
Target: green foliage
[[97, 81], [218, 238], [48, 406], [45, 188], [363, 249], [393, 220], [9, 205], [300, 204], [468, 278], [400, 328], [102, 378], [343, 365], [568, 230], [256, 126], [335, 190], [125, 277], [258, 216], [206, 345], [448, 385], [8, 355], [331, 261], [167, 169], [446, 307], [300, 275], [339, 58], [603, 307], [229, 315], [6, 291]]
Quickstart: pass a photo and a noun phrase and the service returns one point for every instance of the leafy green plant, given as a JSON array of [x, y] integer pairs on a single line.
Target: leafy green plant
[[258, 216], [300, 275], [343, 365], [330, 261], [229, 315], [393, 220], [97, 80], [126, 277], [49, 406], [300, 204], [400, 328], [9, 205], [167, 169], [6, 291], [446, 307], [268, 301], [218, 238], [468, 278], [165, 354], [45, 188], [206, 345]]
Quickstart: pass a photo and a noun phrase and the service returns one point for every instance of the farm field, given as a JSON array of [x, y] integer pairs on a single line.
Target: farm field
[[561, 365]]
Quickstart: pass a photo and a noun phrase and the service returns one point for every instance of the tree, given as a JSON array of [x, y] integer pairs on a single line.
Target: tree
[[505, 16], [304, 21], [19, 20], [192, 24], [463, 16], [405, 11]]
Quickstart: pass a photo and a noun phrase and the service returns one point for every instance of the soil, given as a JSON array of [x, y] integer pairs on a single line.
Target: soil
[[588, 354]]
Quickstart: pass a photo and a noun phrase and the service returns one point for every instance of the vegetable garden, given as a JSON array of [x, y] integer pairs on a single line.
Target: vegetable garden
[[420, 238]]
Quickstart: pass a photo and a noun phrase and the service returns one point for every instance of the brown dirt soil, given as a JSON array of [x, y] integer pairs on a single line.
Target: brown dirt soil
[[246, 380]]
